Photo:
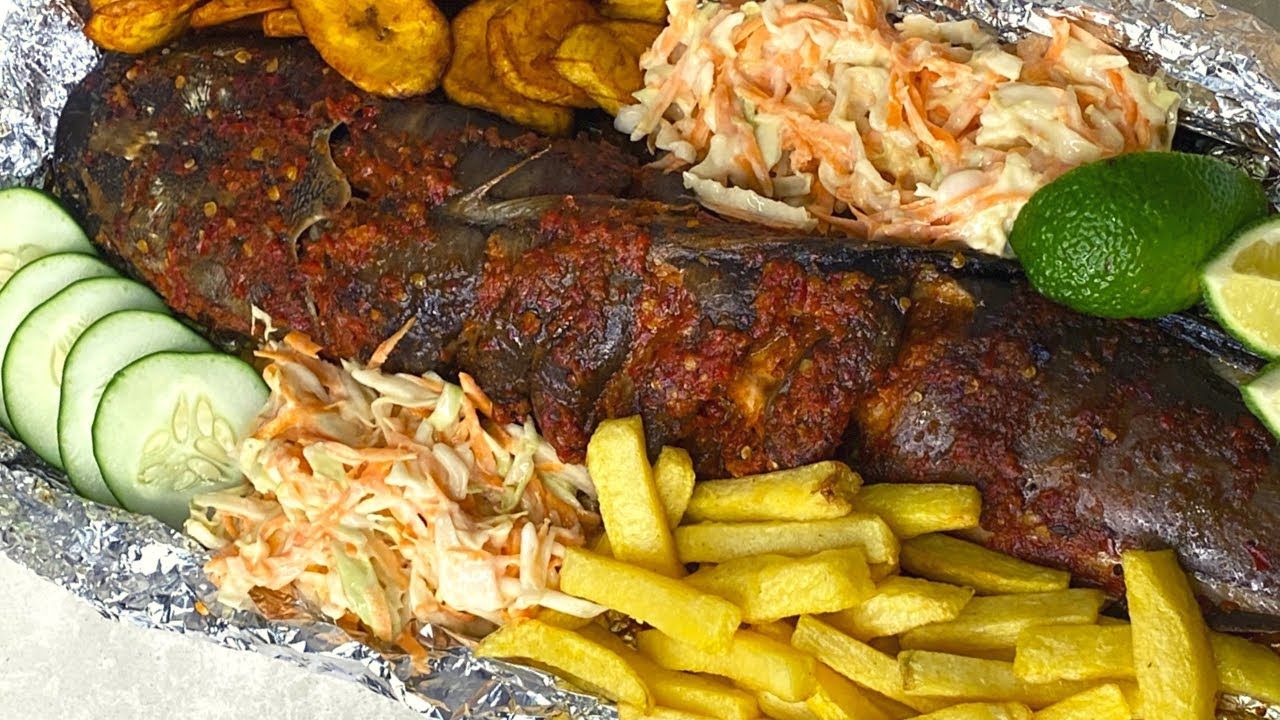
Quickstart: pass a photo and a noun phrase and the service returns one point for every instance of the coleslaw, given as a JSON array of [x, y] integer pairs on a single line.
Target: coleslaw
[[826, 115], [395, 499]]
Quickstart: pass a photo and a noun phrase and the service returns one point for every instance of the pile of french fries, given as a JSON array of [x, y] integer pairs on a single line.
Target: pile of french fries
[[814, 598], [530, 62]]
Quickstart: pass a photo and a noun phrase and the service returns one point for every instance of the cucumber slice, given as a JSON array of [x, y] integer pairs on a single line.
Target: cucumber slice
[[31, 286], [105, 348], [33, 225], [169, 426], [37, 353]]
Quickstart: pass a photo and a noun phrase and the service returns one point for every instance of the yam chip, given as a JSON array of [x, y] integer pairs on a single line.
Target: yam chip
[[471, 80], [221, 12], [282, 23], [393, 48], [604, 60], [522, 41], [136, 26], [654, 11]]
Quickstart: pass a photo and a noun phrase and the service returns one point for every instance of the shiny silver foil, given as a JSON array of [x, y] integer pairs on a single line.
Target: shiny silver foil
[[1225, 63]]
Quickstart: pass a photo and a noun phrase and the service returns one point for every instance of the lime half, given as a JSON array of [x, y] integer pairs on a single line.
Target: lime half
[[1263, 397], [1242, 286]]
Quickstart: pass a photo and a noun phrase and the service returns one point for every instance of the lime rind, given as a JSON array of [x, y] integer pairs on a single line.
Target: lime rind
[[1262, 396], [1242, 286]]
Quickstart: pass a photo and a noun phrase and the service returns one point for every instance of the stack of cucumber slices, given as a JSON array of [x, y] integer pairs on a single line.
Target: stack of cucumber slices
[[99, 380]]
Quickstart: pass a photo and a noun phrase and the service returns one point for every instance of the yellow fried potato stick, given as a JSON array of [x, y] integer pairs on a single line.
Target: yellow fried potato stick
[[634, 518], [900, 604], [589, 664], [752, 661], [1172, 655], [681, 610], [1104, 702], [913, 509], [772, 587], [943, 675], [1074, 652], [981, 711], [947, 559], [721, 542], [995, 621], [812, 492], [857, 661]]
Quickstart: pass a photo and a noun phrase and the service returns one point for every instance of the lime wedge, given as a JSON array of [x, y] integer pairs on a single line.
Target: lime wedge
[[1242, 286], [1263, 397]]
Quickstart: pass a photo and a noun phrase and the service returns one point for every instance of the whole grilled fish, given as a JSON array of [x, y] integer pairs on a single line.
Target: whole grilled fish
[[575, 285]]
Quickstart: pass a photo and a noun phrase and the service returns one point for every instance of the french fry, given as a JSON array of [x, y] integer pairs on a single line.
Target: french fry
[[900, 604], [771, 587], [631, 712], [673, 475], [633, 516], [994, 622], [647, 10], [393, 48], [892, 708], [523, 38], [1171, 650], [981, 711], [839, 699], [591, 665], [947, 559], [599, 58], [676, 608], [1074, 652], [699, 694], [942, 675], [136, 26], [1104, 702], [721, 542], [812, 492], [221, 12], [780, 630], [282, 23], [857, 661], [916, 509], [778, 709], [470, 79], [752, 661], [1246, 668]]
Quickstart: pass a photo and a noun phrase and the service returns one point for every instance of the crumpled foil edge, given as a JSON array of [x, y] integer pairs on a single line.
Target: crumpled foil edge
[[1225, 63]]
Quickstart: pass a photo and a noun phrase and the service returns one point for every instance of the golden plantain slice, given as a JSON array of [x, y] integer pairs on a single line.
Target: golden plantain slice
[[393, 48], [282, 23], [648, 10], [522, 41], [220, 12], [604, 60], [136, 26], [470, 80]]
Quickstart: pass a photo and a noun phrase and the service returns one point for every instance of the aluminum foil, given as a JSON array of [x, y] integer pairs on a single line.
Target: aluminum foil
[[1224, 62]]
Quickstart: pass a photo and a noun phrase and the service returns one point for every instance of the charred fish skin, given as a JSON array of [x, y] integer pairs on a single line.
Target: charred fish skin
[[575, 296]]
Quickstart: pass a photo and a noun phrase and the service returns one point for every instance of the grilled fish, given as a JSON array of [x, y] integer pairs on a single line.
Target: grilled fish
[[575, 284]]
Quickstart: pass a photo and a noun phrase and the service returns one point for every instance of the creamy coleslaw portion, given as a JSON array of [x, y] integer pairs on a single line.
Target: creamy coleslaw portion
[[824, 115], [395, 499]]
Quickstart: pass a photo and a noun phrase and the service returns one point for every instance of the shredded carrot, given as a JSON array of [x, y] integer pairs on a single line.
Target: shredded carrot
[[834, 111]]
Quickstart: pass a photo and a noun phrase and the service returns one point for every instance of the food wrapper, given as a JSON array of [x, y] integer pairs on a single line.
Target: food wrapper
[[1225, 63]]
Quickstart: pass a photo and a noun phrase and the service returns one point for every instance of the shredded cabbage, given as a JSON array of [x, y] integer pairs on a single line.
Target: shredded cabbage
[[796, 113], [393, 499]]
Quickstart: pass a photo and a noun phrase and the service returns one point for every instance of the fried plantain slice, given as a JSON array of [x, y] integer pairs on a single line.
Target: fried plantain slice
[[654, 11], [135, 26], [393, 48], [604, 60], [522, 41], [282, 23], [221, 12], [471, 81]]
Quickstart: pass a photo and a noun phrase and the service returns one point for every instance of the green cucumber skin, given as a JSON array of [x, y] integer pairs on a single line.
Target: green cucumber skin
[[143, 333]]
